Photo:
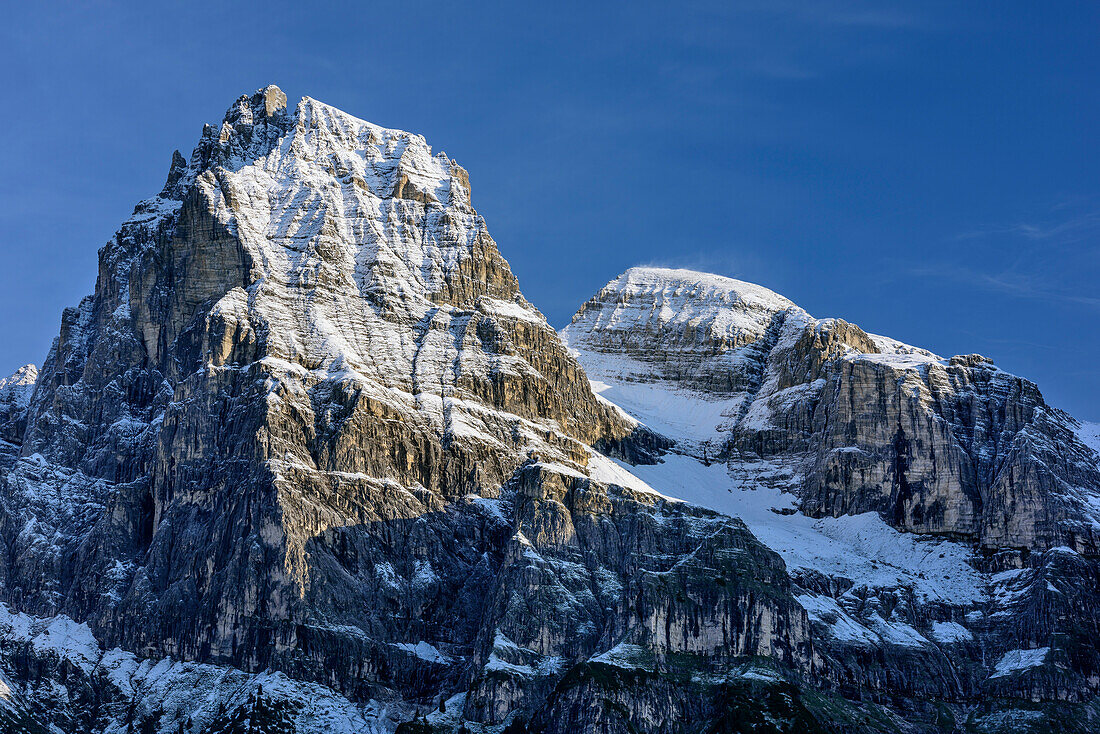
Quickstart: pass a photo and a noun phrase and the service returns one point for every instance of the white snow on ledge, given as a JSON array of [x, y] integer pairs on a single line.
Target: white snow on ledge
[[862, 548], [840, 625], [846, 629], [1016, 661], [626, 656], [424, 651], [1089, 433], [950, 632], [541, 666]]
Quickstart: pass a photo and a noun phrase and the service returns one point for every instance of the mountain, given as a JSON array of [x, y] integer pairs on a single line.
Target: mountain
[[828, 441], [861, 423], [307, 460]]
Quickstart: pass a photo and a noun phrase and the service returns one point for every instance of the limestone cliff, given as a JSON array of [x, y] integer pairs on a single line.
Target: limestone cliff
[[308, 423]]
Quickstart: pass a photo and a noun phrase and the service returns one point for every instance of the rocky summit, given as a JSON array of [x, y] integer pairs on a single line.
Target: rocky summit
[[308, 461]]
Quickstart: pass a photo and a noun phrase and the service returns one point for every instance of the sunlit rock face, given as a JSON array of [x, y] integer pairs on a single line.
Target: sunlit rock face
[[307, 422]]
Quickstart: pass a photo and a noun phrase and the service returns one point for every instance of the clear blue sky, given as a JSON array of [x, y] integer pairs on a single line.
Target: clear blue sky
[[927, 170]]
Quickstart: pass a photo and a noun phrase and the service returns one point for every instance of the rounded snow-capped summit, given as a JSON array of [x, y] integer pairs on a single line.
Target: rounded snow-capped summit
[[701, 284], [730, 369], [689, 294], [689, 309]]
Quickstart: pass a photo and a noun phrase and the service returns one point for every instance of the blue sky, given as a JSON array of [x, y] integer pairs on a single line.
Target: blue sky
[[927, 170]]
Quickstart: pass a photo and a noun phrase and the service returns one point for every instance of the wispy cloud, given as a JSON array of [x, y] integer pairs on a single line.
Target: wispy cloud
[[1050, 256], [1022, 285], [844, 14], [1073, 229]]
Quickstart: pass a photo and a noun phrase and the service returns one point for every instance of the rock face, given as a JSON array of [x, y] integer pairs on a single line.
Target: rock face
[[307, 422], [307, 337], [307, 460]]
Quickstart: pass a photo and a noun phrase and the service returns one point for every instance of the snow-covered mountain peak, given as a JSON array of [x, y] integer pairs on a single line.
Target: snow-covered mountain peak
[[16, 388], [344, 222], [403, 160], [689, 303], [699, 285], [694, 329], [332, 275], [308, 425], [325, 210], [25, 376], [15, 397], [729, 369]]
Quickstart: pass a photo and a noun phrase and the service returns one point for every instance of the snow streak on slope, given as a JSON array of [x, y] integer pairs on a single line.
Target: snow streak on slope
[[1089, 433], [861, 548], [684, 416], [708, 331], [861, 554]]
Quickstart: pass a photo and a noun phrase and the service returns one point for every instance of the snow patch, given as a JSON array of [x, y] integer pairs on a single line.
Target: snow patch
[[424, 651], [1016, 661], [626, 656], [861, 548], [949, 633]]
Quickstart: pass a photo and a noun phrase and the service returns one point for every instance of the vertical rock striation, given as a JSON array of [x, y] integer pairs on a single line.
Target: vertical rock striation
[[299, 425]]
